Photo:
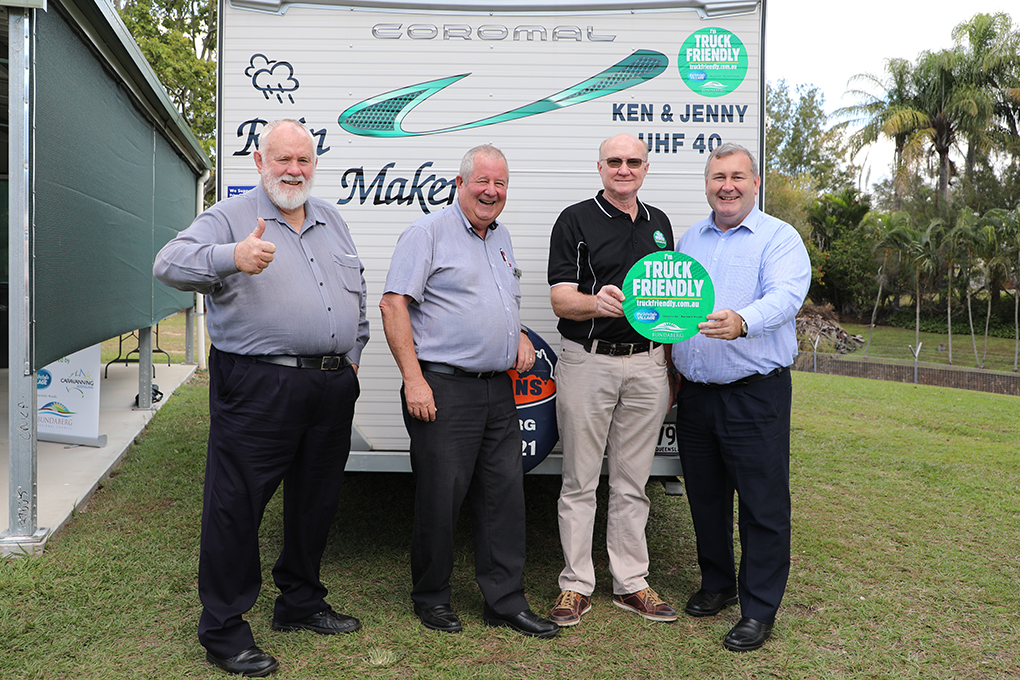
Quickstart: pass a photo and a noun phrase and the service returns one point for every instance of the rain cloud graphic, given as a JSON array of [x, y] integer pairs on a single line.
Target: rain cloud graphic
[[272, 77]]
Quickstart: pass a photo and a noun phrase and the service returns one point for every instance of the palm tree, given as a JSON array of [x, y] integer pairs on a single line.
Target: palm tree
[[888, 233], [944, 107], [925, 252], [953, 242], [994, 260], [965, 235], [1008, 225], [880, 101], [989, 46]]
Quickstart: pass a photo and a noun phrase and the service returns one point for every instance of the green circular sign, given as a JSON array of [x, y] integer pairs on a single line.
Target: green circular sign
[[667, 294], [713, 62]]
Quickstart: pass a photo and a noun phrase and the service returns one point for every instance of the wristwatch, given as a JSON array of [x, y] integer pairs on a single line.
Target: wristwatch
[[743, 328]]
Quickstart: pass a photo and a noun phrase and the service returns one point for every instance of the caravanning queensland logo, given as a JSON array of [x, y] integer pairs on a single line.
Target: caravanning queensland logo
[[80, 379]]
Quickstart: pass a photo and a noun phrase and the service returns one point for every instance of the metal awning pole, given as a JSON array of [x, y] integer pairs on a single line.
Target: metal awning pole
[[23, 514]]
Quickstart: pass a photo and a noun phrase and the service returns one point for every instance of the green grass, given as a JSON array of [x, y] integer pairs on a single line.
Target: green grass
[[888, 342], [171, 340], [906, 562]]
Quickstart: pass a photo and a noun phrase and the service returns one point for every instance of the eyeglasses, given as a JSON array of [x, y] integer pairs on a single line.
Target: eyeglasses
[[632, 163]]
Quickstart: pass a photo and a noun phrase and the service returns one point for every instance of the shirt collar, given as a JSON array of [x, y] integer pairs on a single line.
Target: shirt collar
[[613, 212], [467, 225], [267, 210], [750, 221]]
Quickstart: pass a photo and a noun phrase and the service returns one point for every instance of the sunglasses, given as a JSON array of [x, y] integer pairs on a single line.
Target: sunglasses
[[632, 163]]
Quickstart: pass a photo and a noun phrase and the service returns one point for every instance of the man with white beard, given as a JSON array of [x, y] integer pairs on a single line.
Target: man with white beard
[[286, 315]]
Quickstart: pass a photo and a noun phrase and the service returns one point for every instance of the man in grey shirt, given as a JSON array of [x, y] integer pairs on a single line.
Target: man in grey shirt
[[451, 313], [286, 315]]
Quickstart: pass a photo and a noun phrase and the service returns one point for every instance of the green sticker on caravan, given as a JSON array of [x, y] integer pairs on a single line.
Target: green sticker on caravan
[[667, 295], [712, 62]]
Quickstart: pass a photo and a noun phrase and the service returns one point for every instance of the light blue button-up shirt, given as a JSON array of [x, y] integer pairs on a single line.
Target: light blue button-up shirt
[[760, 270]]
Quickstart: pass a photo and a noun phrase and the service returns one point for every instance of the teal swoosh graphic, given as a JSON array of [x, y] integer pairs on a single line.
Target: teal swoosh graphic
[[383, 115]]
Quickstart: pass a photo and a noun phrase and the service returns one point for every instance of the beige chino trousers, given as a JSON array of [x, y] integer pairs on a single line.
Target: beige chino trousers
[[612, 405]]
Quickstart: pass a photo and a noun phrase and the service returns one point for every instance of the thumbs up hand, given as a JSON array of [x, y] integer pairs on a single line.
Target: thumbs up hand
[[252, 255]]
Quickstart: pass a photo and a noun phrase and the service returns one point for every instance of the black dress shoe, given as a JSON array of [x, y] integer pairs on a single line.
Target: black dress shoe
[[441, 617], [526, 622], [251, 663], [747, 635], [326, 622], [706, 603]]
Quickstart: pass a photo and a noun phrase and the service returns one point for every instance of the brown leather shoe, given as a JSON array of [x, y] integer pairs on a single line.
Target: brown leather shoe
[[569, 608], [646, 603]]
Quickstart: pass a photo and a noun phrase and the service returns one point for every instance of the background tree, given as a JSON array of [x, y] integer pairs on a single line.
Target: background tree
[[798, 140], [848, 268], [881, 100], [178, 38], [886, 232]]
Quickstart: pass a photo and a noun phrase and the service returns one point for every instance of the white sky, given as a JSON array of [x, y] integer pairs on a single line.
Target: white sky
[[825, 43]]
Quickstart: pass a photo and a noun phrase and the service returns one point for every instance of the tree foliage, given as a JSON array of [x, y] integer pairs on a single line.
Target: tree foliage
[[798, 141], [961, 102], [178, 38]]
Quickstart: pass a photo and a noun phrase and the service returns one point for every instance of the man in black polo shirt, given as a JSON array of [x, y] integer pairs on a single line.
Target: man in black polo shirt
[[612, 385]]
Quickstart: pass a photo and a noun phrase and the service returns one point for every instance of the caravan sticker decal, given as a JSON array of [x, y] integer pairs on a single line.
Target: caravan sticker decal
[[712, 62], [272, 77], [383, 115]]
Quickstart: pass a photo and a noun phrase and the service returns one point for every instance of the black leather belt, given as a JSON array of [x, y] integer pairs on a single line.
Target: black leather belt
[[331, 362], [618, 349], [446, 369], [750, 379]]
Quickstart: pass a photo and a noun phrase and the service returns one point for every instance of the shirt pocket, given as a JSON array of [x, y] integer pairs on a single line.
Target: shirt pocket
[[515, 284], [349, 267]]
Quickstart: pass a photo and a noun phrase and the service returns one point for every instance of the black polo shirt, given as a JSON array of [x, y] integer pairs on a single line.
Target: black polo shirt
[[594, 243]]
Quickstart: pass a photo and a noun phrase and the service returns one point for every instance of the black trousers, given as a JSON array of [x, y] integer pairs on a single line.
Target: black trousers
[[269, 424], [738, 438], [471, 450]]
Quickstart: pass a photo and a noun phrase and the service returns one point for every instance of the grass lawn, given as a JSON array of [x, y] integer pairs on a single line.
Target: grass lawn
[[906, 561], [888, 342]]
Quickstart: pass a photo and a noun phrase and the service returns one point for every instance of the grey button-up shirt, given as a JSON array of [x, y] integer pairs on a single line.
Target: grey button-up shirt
[[309, 301], [466, 291]]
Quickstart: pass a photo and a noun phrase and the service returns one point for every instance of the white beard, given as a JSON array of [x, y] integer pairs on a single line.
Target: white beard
[[283, 195]]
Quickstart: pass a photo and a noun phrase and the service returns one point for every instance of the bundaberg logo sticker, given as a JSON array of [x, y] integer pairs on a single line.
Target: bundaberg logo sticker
[[667, 294], [383, 115]]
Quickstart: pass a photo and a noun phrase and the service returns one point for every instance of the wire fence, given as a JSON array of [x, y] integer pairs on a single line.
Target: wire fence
[[920, 373]]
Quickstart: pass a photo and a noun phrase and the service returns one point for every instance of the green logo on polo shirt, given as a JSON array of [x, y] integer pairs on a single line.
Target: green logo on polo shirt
[[660, 240]]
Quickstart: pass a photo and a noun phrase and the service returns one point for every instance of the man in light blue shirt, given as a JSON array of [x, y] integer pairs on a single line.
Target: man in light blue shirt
[[733, 416]]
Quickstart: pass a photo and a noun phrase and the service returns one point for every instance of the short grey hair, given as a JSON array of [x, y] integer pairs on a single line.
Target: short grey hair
[[467, 164], [269, 127], [728, 149]]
